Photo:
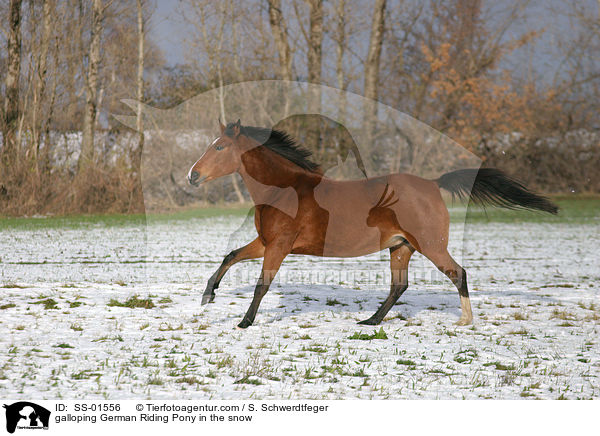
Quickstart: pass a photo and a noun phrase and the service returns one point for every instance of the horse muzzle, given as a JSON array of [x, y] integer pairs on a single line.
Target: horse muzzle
[[195, 179]]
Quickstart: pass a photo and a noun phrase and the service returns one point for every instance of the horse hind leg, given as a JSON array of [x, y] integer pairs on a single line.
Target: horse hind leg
[[399, 258], [444, 262], [253, 250]]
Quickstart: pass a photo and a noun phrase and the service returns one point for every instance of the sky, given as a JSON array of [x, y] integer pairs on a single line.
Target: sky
[[168, 30]]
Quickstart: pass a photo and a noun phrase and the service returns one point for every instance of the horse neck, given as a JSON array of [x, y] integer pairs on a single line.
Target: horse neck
[[265, 173]]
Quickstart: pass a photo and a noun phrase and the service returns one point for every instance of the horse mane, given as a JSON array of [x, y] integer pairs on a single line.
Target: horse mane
[[279, 142]]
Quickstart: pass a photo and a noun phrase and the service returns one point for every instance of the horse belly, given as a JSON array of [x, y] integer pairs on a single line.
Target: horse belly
[[351, 242], [339, 237]]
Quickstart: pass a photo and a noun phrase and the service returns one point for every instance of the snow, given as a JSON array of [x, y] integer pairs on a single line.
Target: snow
[[534, 290]]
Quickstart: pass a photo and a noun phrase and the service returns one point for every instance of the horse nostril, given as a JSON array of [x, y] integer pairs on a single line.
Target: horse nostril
[[193, 177]]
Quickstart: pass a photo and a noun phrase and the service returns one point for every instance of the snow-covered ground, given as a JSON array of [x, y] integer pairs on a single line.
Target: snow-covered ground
[[534, 287]]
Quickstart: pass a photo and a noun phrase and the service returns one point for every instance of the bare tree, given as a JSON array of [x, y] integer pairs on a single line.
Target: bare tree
[[91, 86], [217, 39], [279, 30], [576, 82], [372, 65], [374, 55], [340, 40], [314, 58], [315, 41], [37, 125], [11, 102], [280, 35], [136, 153]]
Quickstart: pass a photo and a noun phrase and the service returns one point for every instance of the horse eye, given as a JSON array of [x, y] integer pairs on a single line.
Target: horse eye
[[218, 147]]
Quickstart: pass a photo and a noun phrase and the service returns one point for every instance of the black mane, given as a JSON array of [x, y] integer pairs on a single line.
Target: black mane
[[279, 142]]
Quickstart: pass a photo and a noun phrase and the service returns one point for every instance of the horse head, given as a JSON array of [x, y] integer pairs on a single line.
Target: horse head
[[221, 158]]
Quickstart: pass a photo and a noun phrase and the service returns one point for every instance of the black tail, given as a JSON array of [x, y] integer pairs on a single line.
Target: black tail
[[491, 186]]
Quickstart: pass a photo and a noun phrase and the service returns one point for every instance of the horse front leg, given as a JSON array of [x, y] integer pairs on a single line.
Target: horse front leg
[[253, 250], [274, 255]]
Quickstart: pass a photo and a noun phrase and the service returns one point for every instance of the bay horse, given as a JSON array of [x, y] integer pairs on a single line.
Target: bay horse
[[300, 211]]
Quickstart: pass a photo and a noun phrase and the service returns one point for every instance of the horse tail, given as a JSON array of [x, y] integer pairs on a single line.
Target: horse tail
[[491, 186]]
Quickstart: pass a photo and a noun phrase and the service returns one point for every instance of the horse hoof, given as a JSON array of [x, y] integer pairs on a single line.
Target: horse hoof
[[464, 321], [243, 325], [207, 299], [369, 321]]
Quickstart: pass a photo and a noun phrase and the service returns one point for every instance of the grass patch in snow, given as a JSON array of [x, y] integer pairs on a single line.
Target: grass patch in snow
[[248, 380], [563, 314], [500, 366], [11, 285], [132, 302], [190, 380], [157, 381], [315, 348], [165, 327], [63, 345], [48, 303], [406, 362], [465, 356], [377, 334]]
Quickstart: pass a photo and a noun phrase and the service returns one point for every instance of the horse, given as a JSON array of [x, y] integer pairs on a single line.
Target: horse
[[300, 211]]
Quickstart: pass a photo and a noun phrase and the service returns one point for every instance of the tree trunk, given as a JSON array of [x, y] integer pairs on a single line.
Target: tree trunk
[[279, 30], [91, 88], [13, 70], [372, 68], [339, 66], [315, 44], [40, 81], [45, 159], [136, 155]]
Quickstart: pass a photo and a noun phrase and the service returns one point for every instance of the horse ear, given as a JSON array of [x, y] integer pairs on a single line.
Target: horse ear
[[222, 126], [239, 122], [237, 127]]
